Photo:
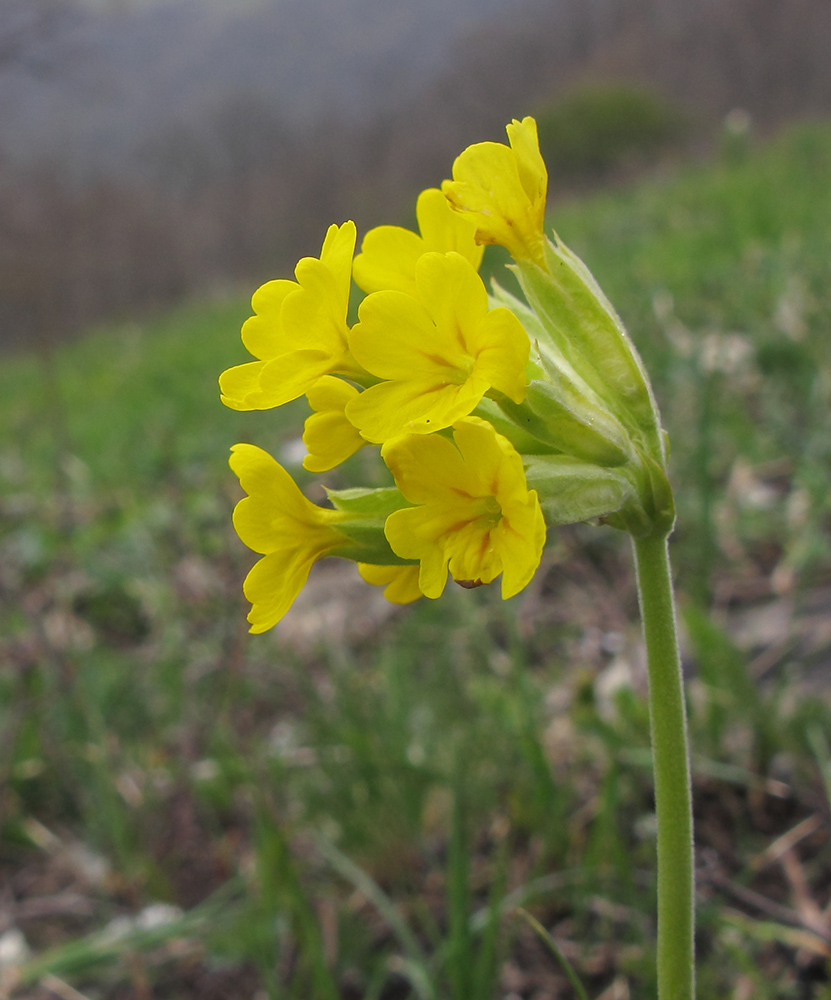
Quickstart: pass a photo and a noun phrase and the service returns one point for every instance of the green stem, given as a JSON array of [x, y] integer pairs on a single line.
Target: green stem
[[670, 757]]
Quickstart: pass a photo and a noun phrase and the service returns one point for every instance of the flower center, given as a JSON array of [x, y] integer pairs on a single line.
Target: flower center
[[489, 511]]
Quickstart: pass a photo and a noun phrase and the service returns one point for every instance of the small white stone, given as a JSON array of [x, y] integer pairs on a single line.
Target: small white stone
[[205, 770], [13, 948], [158, 915], [293, 452]]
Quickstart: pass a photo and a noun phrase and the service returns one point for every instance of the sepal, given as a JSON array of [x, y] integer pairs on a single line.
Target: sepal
[[573, 426], [560, 407], [367, 511], [663, 502], [571, 491], [515, 430], [581, 322], [370, 503]]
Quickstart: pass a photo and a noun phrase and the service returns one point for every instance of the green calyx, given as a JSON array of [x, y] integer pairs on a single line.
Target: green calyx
[[571, 490], [589, 427], [635, 498], [363, 528], [560, 408], [582, 324]]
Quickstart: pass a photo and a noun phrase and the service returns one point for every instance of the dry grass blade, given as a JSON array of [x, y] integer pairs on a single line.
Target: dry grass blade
[[555, 950], [749, 897], [809, 911], [366, 885], [61, 989], [116, 942], [766, 931], [786, 842]]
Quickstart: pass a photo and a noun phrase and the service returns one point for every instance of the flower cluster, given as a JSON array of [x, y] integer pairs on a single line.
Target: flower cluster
[[493, 415]]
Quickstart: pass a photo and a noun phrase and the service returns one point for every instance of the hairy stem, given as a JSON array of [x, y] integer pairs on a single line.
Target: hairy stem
[[670, 755]]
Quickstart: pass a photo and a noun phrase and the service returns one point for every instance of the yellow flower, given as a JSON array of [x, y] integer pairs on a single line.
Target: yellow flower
[[329, 437], [389, 253], [400, 582], [502, 190], [291, 533], [440, 352], [299, 330], [475, 514]]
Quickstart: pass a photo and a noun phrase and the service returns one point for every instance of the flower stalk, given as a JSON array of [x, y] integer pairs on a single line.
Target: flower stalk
[[670, 761]]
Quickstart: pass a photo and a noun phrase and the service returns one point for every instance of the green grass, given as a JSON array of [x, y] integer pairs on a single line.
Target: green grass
[[134, 402], [363, 819]]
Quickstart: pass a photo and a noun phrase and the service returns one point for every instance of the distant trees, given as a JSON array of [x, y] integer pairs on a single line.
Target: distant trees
[[240, 196], [598, 128], [70, 256], [26, 29]]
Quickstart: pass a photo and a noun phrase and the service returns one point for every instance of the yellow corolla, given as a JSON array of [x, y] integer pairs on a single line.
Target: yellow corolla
[[502, 190], [328, 436], [438, 353], [299, 331], [291, 533], [389, 253], [475, 514], [400, 583]]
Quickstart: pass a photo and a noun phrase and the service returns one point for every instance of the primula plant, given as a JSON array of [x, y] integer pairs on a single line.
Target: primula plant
[[498, 419]]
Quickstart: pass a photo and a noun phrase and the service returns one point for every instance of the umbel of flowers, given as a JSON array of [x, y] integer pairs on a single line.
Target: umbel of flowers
[[495, 416]]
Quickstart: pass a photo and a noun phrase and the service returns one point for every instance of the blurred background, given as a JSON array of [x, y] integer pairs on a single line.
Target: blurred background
[[151, 149], [359, 803]]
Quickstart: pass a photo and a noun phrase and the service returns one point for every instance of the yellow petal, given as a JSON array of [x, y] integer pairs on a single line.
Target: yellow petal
[[386, 410], [521, 538], [431, 469], [389, 253], [440, 352], [300, 329], [329, 439], [501, 347], [240, 384], [277, 520], [336, 254], [268, 298], [261, 332], [275, 515], [496, 463], [444, 230], [454, 294], [472, 550], [315, 316], [411, 538], [397, 339], [273, 585], [400, 582], [388, 259], [494, 341], [330, 393], [533, 176], [328, 435], [292, 375]]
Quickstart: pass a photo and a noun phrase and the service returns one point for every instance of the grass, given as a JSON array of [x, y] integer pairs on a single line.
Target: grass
[[361, 808]]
